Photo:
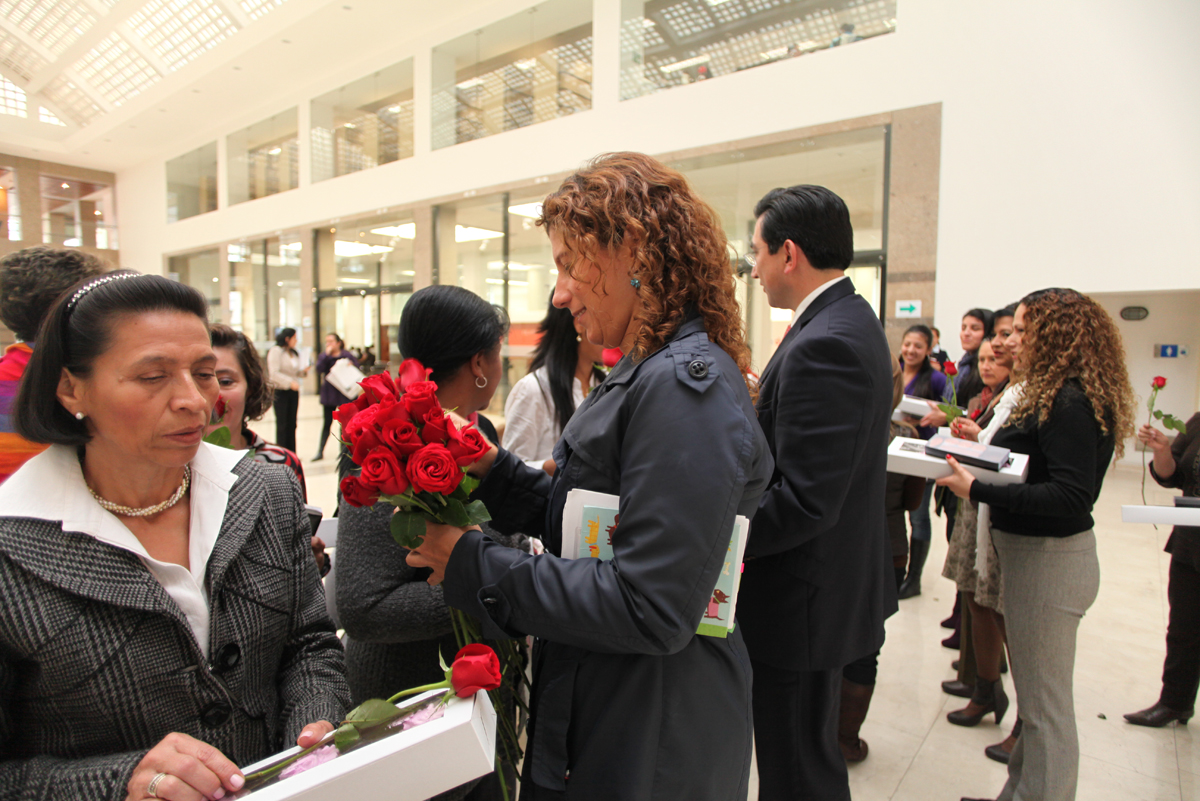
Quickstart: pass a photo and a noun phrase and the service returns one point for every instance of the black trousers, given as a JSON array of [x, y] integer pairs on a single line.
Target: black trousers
[[287, 403], [795, 734], [326, 428], [1181, 671]]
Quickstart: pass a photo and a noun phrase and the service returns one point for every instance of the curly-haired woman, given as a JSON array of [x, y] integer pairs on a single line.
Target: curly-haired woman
[[1075, 412], [628, 701]]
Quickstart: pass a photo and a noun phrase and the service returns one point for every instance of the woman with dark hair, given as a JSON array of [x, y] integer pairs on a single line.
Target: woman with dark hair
[[396, 624], [283, 374], [623, 685], [139, 553], [331, 397], [1073, 414], [1177, 465], [915, 376], [561, 375]]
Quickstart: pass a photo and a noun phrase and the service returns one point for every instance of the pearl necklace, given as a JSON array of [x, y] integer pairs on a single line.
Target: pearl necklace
[[126, 511]]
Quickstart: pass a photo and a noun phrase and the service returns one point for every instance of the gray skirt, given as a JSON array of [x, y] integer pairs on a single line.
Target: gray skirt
[[960, 561]]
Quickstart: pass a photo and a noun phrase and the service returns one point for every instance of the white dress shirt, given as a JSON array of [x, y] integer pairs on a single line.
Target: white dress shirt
[[51, 487], [531, 427], [816, 293]]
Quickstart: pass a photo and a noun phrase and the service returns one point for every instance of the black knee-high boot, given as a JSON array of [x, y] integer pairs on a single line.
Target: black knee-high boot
[[918, 552]]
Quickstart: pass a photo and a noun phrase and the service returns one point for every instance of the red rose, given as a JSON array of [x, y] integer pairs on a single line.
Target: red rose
[[383, 471], [476, 667], [358, 493], [610, 356], [366, 441], [390, 410], [412, 372], [345, 413], [1159, 382], [379, 386], [401, 436], [218, 412], [420, 397], [359, 423], [950, 369], [467, 446], [433, 426], [433, 469]]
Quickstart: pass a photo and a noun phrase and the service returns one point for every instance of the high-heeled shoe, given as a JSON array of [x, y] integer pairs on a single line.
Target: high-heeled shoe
[[989, 697], [1002, 751], [1159, 715]]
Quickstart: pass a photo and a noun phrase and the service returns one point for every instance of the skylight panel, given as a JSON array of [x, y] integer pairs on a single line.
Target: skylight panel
[[19, 57], [256, 9], [179, 30], [55, 24], [116, 70], [72, 100]]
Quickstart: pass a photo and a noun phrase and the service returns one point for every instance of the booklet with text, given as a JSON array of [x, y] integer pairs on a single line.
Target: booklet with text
[[590, 520]]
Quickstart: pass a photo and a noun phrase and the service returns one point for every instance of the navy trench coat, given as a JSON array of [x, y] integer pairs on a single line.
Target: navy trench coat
[[628, 701]]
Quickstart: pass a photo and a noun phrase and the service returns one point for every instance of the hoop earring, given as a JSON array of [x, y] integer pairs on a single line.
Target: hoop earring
[[482, 378]]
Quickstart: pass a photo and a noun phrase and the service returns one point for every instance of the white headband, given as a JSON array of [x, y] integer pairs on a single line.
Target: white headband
[[86, 288]]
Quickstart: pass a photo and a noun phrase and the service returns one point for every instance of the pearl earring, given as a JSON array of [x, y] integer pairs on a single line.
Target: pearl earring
[[79, 415]]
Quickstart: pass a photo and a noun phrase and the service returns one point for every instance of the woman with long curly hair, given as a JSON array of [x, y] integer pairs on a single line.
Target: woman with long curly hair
[[628, 702], [1074, 412]]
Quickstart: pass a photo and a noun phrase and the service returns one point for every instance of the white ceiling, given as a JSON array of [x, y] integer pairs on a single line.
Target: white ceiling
[[129, 77]]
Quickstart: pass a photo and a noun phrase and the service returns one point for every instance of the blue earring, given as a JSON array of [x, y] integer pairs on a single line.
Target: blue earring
[[635, 283]]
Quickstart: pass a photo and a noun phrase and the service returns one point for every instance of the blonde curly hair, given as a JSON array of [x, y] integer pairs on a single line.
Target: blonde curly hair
[[679, 250], [1068, 335]]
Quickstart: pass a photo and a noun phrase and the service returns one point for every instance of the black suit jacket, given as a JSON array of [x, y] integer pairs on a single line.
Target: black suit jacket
[[820, 584]]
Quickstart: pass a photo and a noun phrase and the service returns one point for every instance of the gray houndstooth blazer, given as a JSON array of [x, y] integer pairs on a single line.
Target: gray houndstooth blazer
[[98, 663]]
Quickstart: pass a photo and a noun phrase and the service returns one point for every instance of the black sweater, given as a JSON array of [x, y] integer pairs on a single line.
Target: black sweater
[[1068, 456]]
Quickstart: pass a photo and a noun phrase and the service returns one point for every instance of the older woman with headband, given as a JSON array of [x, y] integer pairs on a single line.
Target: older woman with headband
[[163, 620], [1073, 413], [628, 701]]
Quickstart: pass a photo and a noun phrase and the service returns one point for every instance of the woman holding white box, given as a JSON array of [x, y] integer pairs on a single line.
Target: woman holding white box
[[1075, 412]]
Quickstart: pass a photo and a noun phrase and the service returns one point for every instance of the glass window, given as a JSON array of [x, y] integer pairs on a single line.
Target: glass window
[[531, 279], [77, 213], [246, 282], [264, 158], [367, 253], [200, 271], [667, 43], [525, 69], [284, 285], [10, 211], [364, 124], [192, 183], [851, 164]]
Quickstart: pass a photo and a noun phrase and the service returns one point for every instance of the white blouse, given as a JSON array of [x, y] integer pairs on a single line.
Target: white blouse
[[51, 487], [531, 428], [282, 368]]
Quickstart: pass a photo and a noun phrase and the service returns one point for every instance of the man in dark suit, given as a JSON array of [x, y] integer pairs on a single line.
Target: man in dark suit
[[818, 582]]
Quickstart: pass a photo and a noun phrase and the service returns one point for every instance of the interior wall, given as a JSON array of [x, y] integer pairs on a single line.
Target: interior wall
[[1174, 319], [1067, 141]]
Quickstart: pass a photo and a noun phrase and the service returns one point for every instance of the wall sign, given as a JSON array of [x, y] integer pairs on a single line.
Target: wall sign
[[908, 308]]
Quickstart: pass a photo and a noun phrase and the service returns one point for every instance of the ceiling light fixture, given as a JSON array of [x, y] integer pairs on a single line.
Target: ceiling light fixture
[[401, 231], [683, 65]]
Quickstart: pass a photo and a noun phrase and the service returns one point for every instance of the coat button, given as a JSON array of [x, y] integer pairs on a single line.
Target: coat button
[[489, 600], [228, 657], [215, 714], [698, 369]]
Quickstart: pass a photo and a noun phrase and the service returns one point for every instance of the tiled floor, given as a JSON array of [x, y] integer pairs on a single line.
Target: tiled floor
[[916, 754]]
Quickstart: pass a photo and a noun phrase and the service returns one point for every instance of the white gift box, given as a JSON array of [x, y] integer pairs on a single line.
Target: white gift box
[[1166, 515], [907, 457], [917, 407], [407, 766]]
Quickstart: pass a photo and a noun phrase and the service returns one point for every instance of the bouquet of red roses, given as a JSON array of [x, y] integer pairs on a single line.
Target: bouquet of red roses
[[411, 454]]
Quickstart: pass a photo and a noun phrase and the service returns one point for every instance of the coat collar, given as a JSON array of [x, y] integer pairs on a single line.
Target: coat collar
[[836, 290], [61, 554], [625, 370]]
